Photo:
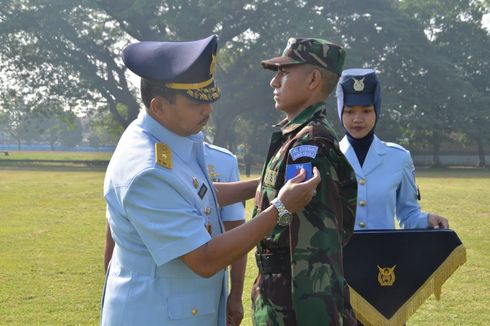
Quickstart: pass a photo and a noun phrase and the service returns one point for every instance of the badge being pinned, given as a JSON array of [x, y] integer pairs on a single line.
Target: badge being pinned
[[293, 170], [163, 155], [303, 151]]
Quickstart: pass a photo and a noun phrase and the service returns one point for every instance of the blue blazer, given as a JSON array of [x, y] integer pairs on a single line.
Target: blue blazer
[[386, 187]]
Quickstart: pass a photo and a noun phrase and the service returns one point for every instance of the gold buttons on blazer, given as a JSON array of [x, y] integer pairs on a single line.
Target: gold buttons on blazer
[[194, 311], [362, 203], [362, 182], [207, 211], [362, 225]]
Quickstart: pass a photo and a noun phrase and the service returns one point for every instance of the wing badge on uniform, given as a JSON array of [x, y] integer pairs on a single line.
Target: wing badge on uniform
[[163, 155]]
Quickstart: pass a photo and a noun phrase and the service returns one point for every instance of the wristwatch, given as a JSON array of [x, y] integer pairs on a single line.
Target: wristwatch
[[284, 217]]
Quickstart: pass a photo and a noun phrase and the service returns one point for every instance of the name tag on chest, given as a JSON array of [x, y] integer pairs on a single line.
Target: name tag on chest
[[202, 191]]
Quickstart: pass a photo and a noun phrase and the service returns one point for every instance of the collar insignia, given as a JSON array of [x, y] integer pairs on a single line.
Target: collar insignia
[[163, 155]]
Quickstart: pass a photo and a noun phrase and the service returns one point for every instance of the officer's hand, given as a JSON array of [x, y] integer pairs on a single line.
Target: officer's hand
[[437, 222], [234, 311], [296, 194]]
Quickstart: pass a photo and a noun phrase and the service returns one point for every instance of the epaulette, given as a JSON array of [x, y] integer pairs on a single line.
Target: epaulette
[[395, 145], [219, 149]]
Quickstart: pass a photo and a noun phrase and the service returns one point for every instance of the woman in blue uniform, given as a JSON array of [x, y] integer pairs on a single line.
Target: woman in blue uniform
[[384, 171]]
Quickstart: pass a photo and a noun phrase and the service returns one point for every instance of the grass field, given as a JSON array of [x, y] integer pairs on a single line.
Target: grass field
[[55, 155], [52, 235]]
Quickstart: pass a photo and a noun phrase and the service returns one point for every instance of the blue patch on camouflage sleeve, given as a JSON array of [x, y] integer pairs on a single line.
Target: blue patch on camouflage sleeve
[[292, 170]]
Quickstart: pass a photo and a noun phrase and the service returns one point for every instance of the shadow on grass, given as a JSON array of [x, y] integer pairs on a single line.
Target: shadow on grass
[[52, 167], [453, 172]]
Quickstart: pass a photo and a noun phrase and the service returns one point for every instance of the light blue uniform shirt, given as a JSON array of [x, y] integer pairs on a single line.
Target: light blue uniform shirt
[[156, 215], [386, 187], [223, 167]]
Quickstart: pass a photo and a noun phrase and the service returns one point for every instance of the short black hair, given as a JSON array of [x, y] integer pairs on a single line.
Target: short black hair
[[150, 89], [329, 79]]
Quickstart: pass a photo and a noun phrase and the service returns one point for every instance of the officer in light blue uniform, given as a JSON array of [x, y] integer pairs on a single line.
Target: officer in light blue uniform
[[147, 283], [222, 166], [384, 171]]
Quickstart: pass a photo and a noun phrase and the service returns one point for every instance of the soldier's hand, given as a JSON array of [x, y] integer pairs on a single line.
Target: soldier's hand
[[296, 193], [437, 222]]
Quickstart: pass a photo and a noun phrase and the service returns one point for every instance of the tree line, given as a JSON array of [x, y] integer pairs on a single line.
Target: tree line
[[432, 57]]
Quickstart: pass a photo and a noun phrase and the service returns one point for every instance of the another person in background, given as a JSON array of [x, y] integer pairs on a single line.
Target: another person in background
[[222, 167], [384, 171], [301, 279], [248, 160], [163, 210]]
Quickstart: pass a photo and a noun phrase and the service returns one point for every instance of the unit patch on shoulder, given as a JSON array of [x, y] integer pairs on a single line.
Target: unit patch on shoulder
[[163, 155], [292, 170], [303, 151]]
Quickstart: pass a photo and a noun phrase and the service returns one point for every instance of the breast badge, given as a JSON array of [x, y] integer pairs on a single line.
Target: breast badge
[[386, 276], [213, 175], [195, 182]]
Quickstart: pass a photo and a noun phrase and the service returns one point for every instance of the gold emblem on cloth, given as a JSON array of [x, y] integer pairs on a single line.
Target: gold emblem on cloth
[[195, 182], [213, 175], [386, 276], [212, 67], [163, 155]]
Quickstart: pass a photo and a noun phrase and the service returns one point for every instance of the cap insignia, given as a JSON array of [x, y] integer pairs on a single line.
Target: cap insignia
[[358, 84], [163, 155]]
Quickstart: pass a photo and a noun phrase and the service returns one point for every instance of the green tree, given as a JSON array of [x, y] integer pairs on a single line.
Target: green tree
[[456, 34], [62, 128], [16, 119], [70, 51], [102, 130], [67, 50]]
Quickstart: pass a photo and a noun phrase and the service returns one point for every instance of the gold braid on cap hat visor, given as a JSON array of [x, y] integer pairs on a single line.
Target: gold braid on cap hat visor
[[189, 86], [185, 86]]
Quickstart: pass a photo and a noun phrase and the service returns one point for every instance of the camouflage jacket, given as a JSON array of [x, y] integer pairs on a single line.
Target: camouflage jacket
[[313, 290]]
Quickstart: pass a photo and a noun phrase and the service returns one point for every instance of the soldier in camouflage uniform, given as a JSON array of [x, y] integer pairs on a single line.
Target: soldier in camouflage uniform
[[301, 279]]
